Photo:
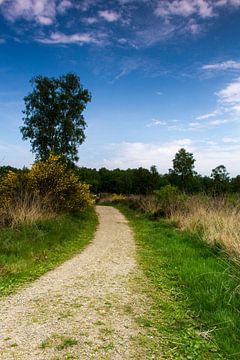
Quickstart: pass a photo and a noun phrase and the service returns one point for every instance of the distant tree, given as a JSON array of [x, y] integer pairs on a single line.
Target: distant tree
[[183, 168], [220, 179], [53, 119], [154, 178], [235, 184]]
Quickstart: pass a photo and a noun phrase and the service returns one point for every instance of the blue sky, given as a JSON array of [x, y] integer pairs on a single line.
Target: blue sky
[[163, 75]]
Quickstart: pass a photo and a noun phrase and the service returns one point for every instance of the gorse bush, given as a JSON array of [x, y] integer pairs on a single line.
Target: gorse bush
[[53, 179], [118, 197], [49, 187]]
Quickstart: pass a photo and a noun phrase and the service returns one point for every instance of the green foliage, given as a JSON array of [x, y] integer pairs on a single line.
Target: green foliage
[[183, 165], [195, 292], [28, 251], [220, 178], [53, 119], [170, 199]]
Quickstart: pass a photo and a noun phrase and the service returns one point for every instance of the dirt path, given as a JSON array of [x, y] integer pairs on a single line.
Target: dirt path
[[84, 309]]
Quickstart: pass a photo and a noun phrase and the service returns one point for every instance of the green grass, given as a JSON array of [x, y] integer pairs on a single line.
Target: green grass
[[28, 251], [194, 289]]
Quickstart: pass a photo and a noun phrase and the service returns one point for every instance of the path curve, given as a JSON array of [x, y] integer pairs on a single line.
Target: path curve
[[84, 309]]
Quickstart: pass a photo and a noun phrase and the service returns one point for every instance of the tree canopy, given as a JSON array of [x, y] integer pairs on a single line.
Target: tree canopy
[[53, 116], [183, 166]]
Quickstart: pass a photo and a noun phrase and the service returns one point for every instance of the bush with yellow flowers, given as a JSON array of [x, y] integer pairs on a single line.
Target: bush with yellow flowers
[[9, 187], [118, 197], [52, 179]]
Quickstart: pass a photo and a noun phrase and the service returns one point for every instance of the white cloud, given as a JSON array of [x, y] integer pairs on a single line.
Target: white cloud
[[209, 115], [225, 65], [230, 140], [90, 20], [231, 94], [41, 11], [185, 8], [137, 154], [77, 38], [156, 122], [208, 155], [64, 5], [218, 122], [109, 15]]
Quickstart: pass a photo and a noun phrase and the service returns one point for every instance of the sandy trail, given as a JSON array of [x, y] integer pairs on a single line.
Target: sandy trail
[[85, 308]]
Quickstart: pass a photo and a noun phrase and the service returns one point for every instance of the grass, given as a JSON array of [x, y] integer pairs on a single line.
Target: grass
[[29, 250], [59, 342], [218, 220], [194, 291]]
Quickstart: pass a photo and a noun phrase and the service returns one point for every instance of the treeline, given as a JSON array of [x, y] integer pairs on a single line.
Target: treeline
[[145, 181]]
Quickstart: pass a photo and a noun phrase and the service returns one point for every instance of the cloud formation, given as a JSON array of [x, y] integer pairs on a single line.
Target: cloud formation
[[40, 11], [143, 22], [109, 15], [206, 152], [225, 65], [156, 122], [78, 38]]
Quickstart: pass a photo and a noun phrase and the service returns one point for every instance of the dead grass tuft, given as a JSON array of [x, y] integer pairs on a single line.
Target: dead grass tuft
[[217, 220], [26, 208]]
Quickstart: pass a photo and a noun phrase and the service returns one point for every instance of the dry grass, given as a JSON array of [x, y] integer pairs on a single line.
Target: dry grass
[[26, 208], [217, 219]]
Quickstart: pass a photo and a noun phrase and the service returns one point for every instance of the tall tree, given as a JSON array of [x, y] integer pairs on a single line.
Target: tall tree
[[183, 167], [220, 178], [53, 116]]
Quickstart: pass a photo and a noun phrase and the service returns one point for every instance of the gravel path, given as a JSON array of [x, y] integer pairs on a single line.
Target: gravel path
[[84, 309]]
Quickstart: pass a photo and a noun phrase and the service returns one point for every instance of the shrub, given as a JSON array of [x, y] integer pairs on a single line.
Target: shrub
[[49, 187], [118, 197], [9, 186], [53, 179], [170, 199]]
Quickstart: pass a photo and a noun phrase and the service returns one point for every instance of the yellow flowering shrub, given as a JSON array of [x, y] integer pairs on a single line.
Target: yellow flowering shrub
[[118, 197], [9, 187], [51, 179]]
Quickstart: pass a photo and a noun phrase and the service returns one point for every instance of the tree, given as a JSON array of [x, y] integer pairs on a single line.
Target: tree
[[220, 178], [183, 165], [53, 119]]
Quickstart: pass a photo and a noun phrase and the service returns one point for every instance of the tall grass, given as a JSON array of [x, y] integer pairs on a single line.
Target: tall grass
[[26, 207], [216, 220]]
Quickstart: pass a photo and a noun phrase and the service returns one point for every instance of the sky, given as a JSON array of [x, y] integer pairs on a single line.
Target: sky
[[163, 74]]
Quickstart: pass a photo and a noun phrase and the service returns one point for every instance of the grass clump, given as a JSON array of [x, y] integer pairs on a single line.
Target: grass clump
[[194, 291], [29, 250], [216, 219]]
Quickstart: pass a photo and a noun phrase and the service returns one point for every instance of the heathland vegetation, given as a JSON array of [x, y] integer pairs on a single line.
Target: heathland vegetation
[[187, 225]]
